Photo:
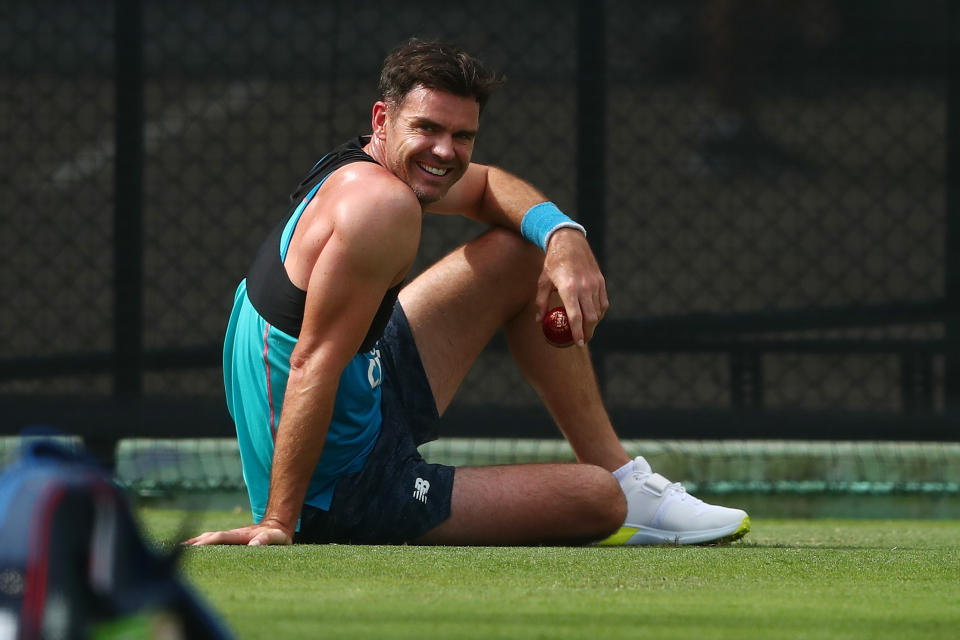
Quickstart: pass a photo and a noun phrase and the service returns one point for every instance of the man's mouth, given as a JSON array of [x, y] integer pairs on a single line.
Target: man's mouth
[[434, 171]]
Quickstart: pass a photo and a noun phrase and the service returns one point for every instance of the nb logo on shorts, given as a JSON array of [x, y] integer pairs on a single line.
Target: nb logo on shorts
[[420, 488]]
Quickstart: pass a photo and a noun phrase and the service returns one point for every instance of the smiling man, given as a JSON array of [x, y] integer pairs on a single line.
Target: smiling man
[[336, 371]]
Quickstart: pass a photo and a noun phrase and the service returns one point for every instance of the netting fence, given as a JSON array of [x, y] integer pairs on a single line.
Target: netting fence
[[771, 188]]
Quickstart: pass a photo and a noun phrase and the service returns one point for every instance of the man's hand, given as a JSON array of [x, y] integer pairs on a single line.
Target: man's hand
[[253, 535], [571, 269]]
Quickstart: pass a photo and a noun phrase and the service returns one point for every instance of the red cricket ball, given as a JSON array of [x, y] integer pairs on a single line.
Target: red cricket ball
[[556, 327]]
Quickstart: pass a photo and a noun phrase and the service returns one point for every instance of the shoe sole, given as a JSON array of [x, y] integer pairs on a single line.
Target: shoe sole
[[646, 536]]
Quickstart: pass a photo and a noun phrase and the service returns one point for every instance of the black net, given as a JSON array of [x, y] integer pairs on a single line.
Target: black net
[[765, 182], [56, 189]]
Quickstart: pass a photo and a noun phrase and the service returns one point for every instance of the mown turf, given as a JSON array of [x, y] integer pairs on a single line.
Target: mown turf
[[786, 579]]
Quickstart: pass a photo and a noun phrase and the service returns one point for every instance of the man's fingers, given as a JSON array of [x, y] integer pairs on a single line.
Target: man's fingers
[[234, 536], [204, 538], [574, 316], [572, 269], [586, 303], [591, 317], [220, 537], [544, 289], [592, 312]]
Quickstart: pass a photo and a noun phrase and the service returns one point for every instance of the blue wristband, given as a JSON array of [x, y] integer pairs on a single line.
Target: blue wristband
[[542, 220]]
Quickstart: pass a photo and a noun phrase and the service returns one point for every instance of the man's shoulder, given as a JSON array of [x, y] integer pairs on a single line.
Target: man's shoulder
[[368, 174], [368, 187]]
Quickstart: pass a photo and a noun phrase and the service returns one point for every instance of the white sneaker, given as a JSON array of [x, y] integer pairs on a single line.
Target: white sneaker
[[662, 512]]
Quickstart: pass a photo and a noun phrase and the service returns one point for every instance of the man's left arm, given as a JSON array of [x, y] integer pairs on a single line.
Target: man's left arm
[[498, 198]]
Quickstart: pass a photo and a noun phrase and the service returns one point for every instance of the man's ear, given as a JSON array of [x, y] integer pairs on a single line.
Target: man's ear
[[379, 120]]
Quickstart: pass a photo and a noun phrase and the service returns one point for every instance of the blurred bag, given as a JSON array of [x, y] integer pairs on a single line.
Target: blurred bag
[[74, 565]]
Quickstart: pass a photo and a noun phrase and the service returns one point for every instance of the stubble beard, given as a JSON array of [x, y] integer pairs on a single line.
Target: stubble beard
[[399, 171], [423, 196]]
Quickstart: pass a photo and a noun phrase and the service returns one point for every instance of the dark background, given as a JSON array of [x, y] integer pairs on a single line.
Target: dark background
[[771, 188]]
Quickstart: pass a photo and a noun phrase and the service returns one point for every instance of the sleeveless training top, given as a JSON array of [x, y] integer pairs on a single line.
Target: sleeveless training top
[[262, 332], [277, 299]]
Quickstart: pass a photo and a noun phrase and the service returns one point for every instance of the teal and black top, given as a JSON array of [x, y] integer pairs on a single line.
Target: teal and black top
[[263, 329]]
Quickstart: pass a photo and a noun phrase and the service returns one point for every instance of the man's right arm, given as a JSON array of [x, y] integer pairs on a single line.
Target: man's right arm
[[372, 244]]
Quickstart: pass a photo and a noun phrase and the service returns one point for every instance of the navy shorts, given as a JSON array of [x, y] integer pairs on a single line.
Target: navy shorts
[[397, 496]]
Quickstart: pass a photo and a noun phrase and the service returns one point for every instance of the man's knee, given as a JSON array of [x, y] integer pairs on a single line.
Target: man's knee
[[507, 254], [602, 501]]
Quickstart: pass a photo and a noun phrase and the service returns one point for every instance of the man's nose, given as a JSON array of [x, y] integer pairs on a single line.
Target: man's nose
[[443, 147]]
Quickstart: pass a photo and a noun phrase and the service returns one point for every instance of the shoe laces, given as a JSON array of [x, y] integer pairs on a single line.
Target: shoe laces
[[674, 489], [678, 490]]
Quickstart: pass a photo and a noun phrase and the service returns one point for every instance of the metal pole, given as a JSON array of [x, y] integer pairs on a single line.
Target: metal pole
[[592, 134], [951, 383], [128, 215]]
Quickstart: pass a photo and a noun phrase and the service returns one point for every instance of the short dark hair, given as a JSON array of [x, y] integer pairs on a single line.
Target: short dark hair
[[438, 65]]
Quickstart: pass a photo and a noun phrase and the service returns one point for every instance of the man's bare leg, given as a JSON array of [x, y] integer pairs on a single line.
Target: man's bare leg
[[565, 381], [531, 504], [454, 309]]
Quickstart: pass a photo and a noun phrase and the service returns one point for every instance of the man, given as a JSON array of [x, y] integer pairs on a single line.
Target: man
[[361, 381]]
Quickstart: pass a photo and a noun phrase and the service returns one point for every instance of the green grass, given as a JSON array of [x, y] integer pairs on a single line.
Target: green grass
[[788, 579]]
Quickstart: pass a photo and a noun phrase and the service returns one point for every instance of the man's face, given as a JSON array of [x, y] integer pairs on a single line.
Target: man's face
[[428, 139]]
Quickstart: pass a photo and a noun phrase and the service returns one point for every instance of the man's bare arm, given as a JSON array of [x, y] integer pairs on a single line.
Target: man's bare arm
[[368, 251], [498, 198]]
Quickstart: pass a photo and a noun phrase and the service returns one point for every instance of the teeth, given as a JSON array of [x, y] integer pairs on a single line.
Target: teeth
[[433, 170]]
